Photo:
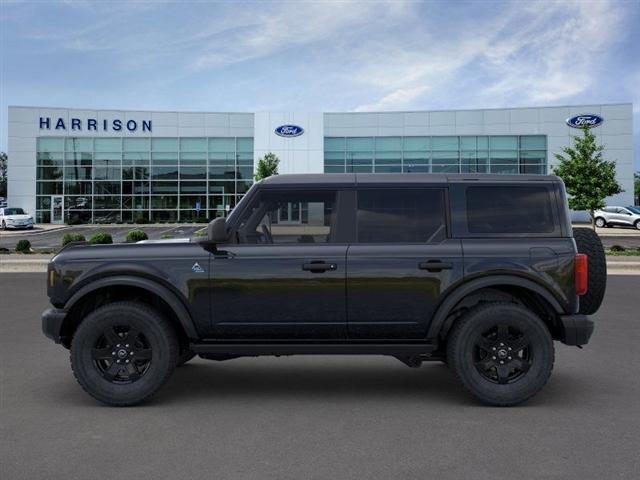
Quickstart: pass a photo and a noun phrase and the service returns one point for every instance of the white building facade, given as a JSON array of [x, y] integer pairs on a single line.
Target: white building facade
[[107, 166]]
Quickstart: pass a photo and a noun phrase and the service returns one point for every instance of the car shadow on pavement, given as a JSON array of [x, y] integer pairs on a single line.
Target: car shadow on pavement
[[336, 381]]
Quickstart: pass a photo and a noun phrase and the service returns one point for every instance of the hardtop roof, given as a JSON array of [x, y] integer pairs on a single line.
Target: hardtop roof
[[353, 179]]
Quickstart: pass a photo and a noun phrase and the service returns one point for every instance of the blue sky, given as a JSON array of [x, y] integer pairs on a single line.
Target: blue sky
[[318, 56]]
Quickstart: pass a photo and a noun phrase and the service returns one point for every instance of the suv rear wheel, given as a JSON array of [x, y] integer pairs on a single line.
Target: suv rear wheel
[[502, 353], [122, 353]]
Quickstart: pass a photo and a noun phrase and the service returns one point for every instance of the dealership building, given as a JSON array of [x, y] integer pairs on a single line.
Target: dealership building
[[123, 166]]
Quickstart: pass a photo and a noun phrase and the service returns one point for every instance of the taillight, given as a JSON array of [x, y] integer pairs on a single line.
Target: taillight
[[581, 273]]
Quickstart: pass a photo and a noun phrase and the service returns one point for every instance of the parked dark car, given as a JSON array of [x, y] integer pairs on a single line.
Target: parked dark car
[[482, 272]]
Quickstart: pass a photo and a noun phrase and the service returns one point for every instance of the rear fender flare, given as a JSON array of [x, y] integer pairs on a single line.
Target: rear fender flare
[[441, 324]]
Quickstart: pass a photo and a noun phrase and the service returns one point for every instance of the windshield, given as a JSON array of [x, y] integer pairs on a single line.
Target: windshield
[[13, 211], [634, 209]]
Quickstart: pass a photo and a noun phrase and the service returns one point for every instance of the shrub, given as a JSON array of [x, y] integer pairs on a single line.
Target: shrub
[[101, 238], [202, 219], [135, 236], [141, 220], [72, 237], [166, 235], [23, 246], [617, 248]]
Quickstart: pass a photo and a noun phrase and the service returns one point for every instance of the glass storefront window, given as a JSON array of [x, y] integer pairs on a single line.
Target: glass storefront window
[[448, 154], [164, 144], [137, 144], [78, 144], [193, 145], [107, 145]]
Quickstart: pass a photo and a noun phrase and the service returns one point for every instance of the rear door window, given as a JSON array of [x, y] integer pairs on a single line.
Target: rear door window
[[509, 209], [401, 216]]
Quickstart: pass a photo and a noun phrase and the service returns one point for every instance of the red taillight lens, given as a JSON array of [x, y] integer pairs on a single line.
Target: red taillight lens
[[581, 274]]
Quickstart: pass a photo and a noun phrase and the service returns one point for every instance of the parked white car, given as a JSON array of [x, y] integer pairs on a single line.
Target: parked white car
[[15, 218], [622, 216]]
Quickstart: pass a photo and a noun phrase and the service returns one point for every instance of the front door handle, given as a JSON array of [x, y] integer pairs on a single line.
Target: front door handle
[[319, 267], [435, 266]]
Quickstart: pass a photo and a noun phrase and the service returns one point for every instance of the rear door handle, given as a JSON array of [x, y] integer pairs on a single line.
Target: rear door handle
[[319, 267], [435, 266]]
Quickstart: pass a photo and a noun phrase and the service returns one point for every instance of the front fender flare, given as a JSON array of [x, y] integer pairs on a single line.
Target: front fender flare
[[440, 324], [174, 302]]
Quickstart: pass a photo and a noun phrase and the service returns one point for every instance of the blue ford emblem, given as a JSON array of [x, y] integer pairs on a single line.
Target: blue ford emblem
[[289, 131], [587, 120]]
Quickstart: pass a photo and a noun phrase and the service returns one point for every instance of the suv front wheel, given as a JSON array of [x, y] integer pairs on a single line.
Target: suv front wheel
[[501, 352], [122, 353]]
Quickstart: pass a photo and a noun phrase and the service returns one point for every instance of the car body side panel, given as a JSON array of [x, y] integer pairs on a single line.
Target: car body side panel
[[547, 262], [170, 265]]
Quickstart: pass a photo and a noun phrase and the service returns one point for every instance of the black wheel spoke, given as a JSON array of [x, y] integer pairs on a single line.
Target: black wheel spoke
[[503, 333], [132, 336], [102, 353], [112, 337], [143, 354], [486, 363], [111, 372], [520, 365], [485, 344], [519, 344], [133, 372], [503, 374]]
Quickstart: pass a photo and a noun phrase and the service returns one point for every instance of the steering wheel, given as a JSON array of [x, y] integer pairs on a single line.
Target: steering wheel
[[267, 234]]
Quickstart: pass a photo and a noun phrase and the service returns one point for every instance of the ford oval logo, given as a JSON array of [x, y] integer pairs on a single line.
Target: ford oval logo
[[587, 120], [289, 131]]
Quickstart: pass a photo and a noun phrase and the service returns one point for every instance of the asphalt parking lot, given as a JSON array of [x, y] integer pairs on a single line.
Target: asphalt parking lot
[[319, 417], [53, 238]]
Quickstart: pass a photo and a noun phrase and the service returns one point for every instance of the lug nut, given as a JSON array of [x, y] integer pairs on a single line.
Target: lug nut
[[127, 361], [113, 353], [501, 362], [509, 348], [131, 353], [509, 358], [127, 345], [494, 349], [493, 358], [117, 345]]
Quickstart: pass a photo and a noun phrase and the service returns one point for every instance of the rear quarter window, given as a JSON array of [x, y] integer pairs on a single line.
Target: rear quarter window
[[509, 209]]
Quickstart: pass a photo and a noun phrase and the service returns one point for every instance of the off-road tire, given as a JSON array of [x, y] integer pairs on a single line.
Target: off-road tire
[[156, 332], [462, 350], [588, 242]]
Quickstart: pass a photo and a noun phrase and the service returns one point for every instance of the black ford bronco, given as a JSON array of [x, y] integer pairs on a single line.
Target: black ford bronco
[[481, 272]]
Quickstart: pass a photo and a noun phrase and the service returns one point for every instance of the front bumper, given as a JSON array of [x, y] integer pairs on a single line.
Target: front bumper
[[575, 329], [52, 320]]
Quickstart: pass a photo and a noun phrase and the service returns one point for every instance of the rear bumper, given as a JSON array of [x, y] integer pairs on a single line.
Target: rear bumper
[[52, 320], [575, 329]]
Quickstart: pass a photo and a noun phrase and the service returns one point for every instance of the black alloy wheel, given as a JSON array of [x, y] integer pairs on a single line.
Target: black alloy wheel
[[122, 354], [502, 354]]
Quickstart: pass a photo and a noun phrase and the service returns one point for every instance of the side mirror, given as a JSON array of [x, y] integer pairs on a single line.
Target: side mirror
[[217, 230]]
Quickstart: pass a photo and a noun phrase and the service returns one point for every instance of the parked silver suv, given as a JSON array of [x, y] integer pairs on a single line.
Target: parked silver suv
[[623, 216]]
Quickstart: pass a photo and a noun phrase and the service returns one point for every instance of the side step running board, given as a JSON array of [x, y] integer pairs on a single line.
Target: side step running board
[[252, 349]]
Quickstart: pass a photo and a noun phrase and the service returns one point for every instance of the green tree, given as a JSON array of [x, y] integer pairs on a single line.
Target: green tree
[[588, 177], [3, 174], [267, 166]]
